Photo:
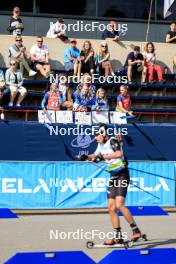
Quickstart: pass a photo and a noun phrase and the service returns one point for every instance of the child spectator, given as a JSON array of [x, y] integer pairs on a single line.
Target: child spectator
[[100, 102], [16, 25], [52, 99], [71, 55], [124, 101], [66, 93], [86, 62], [3, 89], [150, 65], [171, 35], [40, 58], [110, 33], [18, 53], [86, 80], [57, 30], [82, 102], [14, 80], [103, 60], [134, 64]]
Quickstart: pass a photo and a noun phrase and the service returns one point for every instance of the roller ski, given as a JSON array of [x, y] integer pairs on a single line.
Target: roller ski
[[137, 238], [113, 243]]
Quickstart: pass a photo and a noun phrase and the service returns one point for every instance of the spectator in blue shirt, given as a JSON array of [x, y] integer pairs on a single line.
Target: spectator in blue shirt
[[110, 33], [71, 57], [100, 102], [82, 102], [86, 80], [134, 64]]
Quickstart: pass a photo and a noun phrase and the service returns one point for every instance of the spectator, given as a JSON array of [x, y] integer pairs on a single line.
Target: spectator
[[150, 65], [66, 93], [71, 56], [3, 89], [100, 101], [134, 64], [110, 33], [40, 58], [86, 80], [103, 60], [14, 80], [171, 35], [57, 30], [52, 99], [124, 101], [86, 62], [18, 53], [16, 25], [82, 102]]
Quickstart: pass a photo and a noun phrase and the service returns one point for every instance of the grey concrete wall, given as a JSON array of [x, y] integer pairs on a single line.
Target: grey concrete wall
[[136, 30]]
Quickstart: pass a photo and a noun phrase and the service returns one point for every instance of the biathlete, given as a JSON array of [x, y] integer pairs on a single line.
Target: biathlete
[[110, 150]]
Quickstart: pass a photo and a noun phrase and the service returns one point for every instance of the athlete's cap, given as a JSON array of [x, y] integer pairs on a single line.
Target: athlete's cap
[[99, 130]]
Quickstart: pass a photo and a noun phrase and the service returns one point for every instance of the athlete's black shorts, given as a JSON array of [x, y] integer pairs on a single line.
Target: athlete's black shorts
[[118, 184]]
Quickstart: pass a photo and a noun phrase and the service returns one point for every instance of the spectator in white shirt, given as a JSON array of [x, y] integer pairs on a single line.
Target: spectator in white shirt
[[57, 30], [40, 58]]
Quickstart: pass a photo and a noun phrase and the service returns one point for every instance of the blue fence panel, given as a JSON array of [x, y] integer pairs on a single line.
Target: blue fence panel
[[81, 184]]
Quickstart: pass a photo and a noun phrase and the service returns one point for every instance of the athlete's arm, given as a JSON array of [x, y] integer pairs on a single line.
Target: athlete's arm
[[115, 155]]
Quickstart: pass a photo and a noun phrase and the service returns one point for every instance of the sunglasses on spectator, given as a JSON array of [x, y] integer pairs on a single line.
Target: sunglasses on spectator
[[12, 64], [39, 41], [104, 46], [19, 40]]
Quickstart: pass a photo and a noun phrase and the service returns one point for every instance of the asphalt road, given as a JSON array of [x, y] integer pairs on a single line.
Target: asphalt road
[[48, 233]]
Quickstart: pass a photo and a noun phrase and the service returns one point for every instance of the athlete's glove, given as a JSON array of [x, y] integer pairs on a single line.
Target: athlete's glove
[[98, 158], [82, 157]]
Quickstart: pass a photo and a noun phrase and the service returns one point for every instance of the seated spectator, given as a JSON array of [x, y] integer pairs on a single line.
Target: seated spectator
[[52, 99], [134, 64], [18, 53], [40, 58], [3, 90], [150, 65], [103, 60], [82, 102], [100, 102], [86, 60], [14, 80], [86, 80], [124, 101], [71, 55], [110, 33], [66, 94], [57, 30], [16, 26], [171, 34]]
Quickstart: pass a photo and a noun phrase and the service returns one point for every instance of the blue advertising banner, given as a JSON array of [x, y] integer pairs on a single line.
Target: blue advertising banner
[[32, 141], [25, 185]]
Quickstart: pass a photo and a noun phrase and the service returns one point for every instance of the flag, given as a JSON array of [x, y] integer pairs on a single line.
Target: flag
[[167, 5]]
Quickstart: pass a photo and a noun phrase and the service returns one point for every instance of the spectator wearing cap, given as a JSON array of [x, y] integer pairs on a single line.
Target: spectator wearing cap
[[134, 64], [16, 26], [14, 80], [58, 30], [40, 58], [171, 34], [110, 33], [18, 53], [71, 57]]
